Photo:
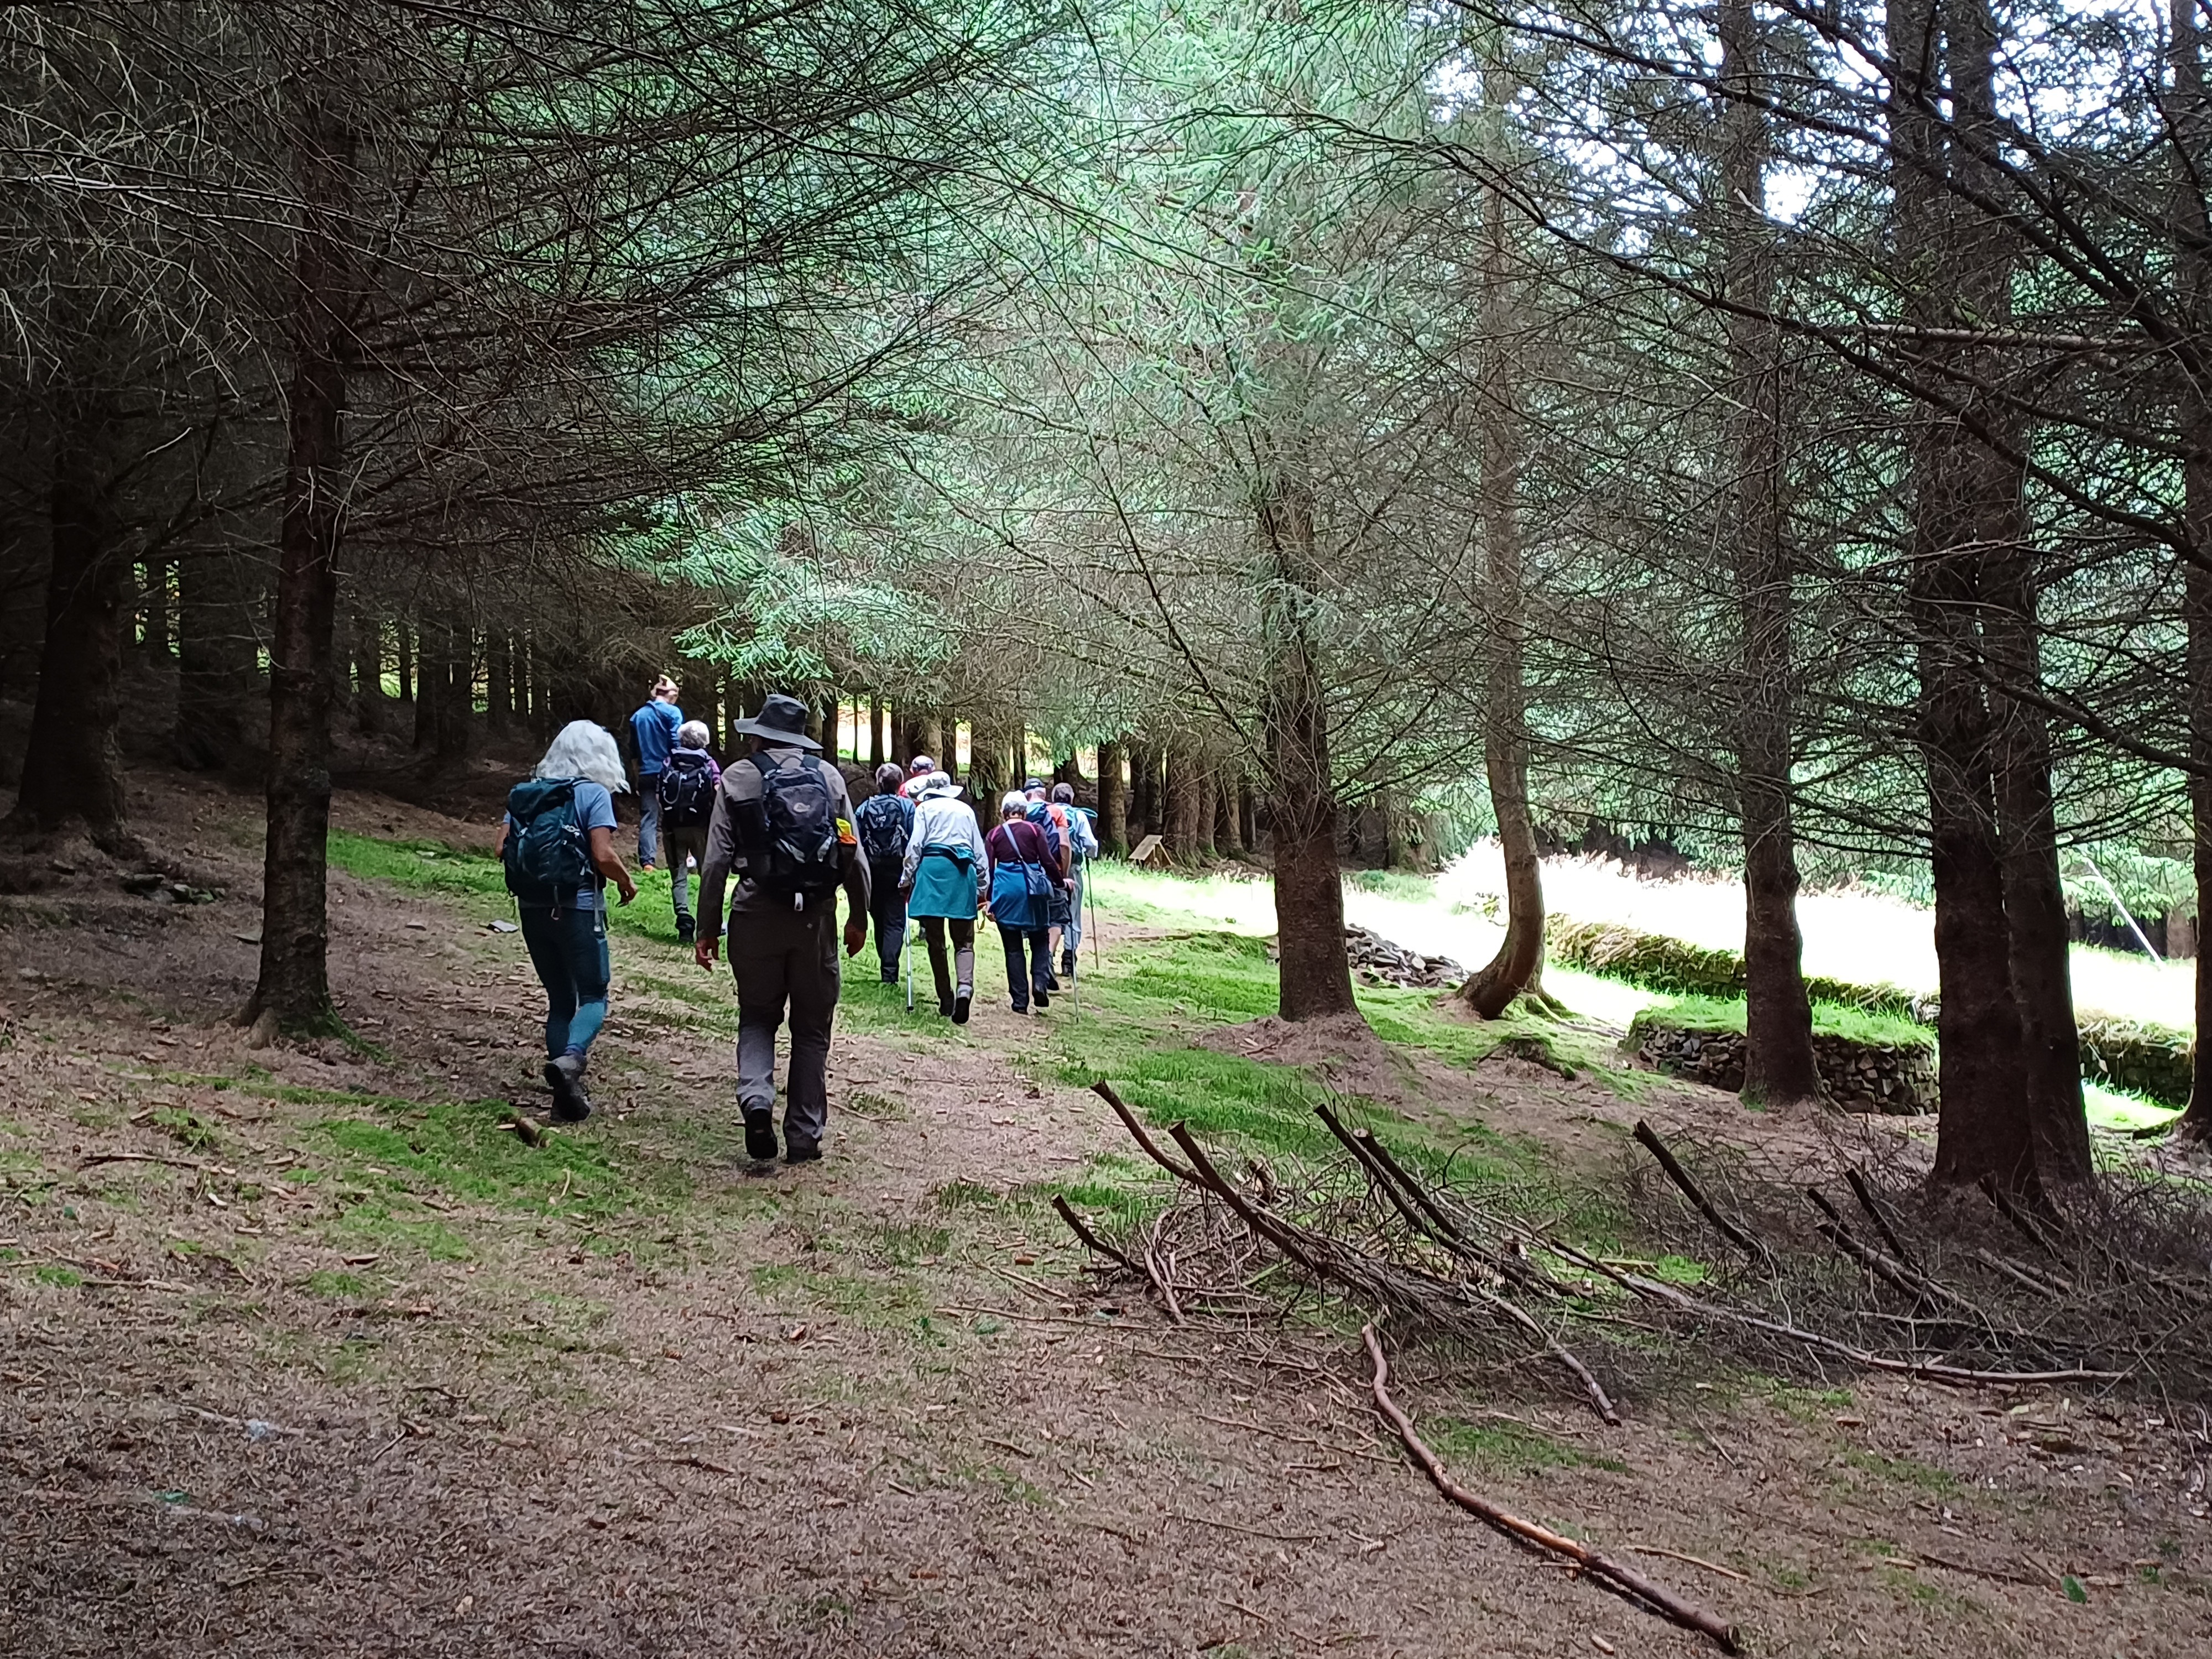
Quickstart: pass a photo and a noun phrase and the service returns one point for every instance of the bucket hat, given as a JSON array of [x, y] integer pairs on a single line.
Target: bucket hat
[[781, 719]]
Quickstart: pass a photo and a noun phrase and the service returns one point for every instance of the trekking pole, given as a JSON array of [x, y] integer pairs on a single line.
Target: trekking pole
[[1091, 899], [906, 938]]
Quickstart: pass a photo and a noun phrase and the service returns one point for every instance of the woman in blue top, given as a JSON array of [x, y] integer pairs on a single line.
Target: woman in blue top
[[1023, 871], [567, 936]]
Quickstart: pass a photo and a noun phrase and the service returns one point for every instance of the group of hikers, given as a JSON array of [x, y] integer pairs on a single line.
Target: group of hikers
[[780, 822]]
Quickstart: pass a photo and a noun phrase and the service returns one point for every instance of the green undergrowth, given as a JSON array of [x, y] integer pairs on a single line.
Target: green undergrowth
[[1871, 1027], [1504, 1446]]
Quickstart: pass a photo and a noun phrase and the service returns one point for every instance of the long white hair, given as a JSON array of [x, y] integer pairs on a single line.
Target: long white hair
[[585, 750]]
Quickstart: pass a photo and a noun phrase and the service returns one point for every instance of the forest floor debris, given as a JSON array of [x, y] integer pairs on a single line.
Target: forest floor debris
[[604, 1395]]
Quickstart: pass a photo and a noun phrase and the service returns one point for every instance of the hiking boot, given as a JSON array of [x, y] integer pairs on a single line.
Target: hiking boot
[[960, 1006], [565, 1077], [1051, 982], [1067, 964], [944, 1007], [890, 975], [802, 1152], [1040, 996], [687, 929], [760, 1132]]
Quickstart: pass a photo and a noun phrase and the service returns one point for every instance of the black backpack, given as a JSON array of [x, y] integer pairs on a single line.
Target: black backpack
[[687, 795], [886, 824], [548, 857], [793, 846]]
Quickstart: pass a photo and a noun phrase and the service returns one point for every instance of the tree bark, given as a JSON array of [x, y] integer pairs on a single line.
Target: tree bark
[[2191, 118], [153, 607], [1779, 1066], [72, 767], [1205, 805], [1112, 799], [1144, 776], [1315, 977], [403, 647], [216, 675], [445, 673], [368, 669], [1227, 843], [294, 981], [1520, 958], [498, 681], [1963, 505], [1180, 786]]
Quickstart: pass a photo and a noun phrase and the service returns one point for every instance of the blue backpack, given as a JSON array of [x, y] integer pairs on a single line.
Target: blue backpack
[[548, 855]]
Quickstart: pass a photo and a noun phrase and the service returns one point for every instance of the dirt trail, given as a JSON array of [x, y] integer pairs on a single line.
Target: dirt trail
[[316, 1362]]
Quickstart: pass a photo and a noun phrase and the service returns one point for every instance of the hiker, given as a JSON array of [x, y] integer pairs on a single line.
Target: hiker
[[919, 771], [687, 787], [557, 842], [653, 726], [1082, 847], [1021, 882], [885, 825], [1059, 841], [943, 874], [783, 824]]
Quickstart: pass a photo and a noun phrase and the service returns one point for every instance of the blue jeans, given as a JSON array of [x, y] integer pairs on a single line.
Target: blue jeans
[[569, 952], [648, 821], [1018, 984]]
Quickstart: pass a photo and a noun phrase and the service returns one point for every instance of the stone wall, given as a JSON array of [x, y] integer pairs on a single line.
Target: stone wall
[[1860, 1077]]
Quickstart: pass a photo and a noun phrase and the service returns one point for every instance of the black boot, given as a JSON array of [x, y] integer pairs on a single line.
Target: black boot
[[1067, 964], [687, 929]]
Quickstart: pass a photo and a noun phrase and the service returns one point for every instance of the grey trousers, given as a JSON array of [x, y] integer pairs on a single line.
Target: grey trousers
[[680, 845], [786, 959]]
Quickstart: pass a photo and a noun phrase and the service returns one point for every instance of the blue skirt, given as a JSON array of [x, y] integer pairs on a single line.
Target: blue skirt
[[944, 883]]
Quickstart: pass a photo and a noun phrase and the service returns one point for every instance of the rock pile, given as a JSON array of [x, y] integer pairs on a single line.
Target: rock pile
[[1860, 1077], [1380, 961]]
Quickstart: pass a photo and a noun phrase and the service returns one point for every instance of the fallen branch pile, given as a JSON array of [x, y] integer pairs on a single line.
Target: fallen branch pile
[[1793, 1281]]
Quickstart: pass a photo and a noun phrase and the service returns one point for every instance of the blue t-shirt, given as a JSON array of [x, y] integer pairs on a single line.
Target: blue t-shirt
[[595, 810], [654, 727]]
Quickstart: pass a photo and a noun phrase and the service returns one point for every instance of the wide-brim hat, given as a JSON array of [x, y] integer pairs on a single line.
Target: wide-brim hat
[[938, 783], [781, 721]]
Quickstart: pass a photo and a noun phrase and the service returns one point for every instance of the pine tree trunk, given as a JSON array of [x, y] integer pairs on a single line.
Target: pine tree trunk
[[1206, 805], [368, 669], [72, 769], [1779, 1067], [1227, 842], [1182, 793], [498, 681], [217, 675], [153, 607], [2034, 896], [2192, 120], [294, 983], [1112, 799], [1141, 809], [1520, 958], [1961, 508], [1315, 980]]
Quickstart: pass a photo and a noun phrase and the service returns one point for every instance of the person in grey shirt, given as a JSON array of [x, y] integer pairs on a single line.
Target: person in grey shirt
[[782, 918]]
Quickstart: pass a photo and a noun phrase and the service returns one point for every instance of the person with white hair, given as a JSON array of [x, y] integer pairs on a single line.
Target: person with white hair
[[557, 842], [943, 875], [687, 787], [1023, 871]]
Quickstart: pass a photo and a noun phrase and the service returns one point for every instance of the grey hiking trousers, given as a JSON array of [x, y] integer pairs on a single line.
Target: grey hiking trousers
[[786, 960]]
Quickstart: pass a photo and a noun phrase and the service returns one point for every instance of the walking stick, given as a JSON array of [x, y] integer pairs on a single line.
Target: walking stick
[[906, 944]]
